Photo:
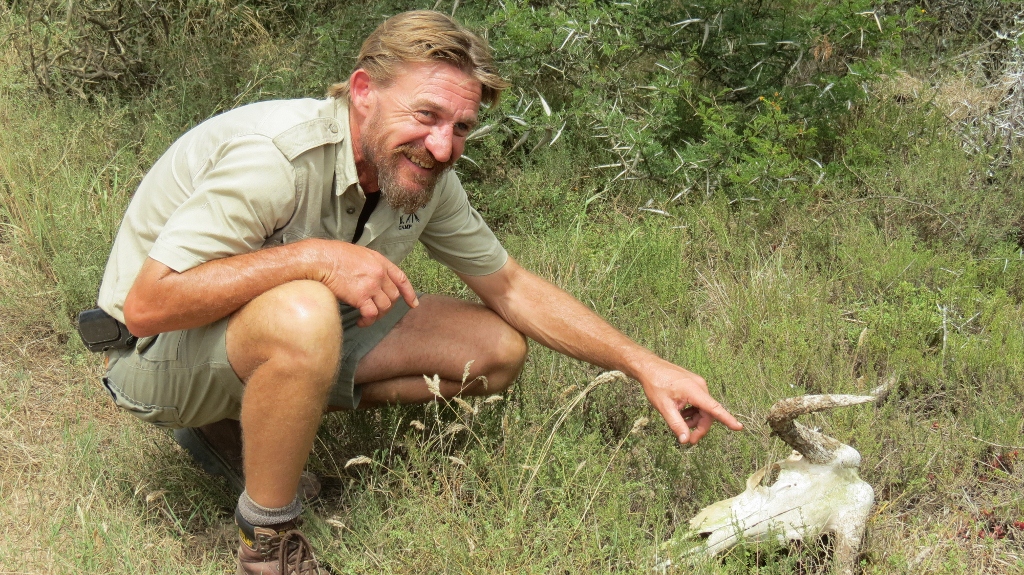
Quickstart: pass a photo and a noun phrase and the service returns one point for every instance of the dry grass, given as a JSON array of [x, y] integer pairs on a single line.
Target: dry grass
[[558, 477], [126, 495], [959, 98], [76, 475], [987, 114]]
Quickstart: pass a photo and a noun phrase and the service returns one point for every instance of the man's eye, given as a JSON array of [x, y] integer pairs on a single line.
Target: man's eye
[[461, 129], [425, 115]]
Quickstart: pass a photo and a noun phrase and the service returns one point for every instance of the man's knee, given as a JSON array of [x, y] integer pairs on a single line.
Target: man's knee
[[514, 349], [298, 322], [507, 354]]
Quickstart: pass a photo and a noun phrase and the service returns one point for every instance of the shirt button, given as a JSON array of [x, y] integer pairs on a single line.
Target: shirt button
[[350, 211], [333, 128]]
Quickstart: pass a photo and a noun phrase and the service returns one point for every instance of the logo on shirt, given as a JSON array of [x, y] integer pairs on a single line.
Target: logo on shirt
[[405, 221]]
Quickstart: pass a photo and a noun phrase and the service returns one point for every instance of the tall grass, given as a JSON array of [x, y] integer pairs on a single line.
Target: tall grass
[[904, 260]]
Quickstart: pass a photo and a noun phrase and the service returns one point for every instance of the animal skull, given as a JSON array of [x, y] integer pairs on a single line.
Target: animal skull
[[815, 491]]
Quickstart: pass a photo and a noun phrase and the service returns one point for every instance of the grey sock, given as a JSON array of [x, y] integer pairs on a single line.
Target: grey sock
[[261, 516]]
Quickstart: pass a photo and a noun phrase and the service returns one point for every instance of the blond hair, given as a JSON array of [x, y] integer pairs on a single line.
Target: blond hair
[[425, 36]]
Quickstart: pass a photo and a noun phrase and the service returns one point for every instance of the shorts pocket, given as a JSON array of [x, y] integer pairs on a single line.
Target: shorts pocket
[[160, 347], [159, 415]]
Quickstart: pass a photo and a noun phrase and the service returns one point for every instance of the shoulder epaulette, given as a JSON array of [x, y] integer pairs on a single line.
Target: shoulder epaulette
[[308, 135]]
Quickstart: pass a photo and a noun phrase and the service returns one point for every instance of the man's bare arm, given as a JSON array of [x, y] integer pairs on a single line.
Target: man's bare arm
[[162, 299], [551, 316]]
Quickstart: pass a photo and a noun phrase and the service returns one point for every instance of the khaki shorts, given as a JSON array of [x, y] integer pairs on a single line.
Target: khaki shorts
[[183, 378]]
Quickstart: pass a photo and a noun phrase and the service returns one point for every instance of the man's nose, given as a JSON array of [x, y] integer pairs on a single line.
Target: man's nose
[[439, 143]]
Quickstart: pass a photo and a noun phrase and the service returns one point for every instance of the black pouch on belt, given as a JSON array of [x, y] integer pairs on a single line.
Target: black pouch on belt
[[101, 332]]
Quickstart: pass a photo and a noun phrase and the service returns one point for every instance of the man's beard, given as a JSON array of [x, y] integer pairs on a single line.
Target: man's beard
[[388, 164]]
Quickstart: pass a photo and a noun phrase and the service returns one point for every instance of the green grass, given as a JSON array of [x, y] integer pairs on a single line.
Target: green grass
[[902, 262]]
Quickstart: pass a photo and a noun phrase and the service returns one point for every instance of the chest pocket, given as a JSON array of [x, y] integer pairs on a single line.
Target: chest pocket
[[311, 147], [400, 239], [395, 249]]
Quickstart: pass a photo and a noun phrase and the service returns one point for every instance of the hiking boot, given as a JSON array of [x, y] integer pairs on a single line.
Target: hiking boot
[[217, 448], [276, 550]]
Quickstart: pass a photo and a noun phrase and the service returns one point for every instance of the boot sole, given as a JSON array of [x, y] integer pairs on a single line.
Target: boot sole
[[207, 457], [211, 462]]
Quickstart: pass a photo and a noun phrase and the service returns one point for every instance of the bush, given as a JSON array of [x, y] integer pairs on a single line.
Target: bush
[[673, 92], [655, 90], [94, 47]]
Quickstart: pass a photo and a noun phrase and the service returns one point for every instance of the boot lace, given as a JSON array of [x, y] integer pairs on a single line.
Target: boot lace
[[293, 551]]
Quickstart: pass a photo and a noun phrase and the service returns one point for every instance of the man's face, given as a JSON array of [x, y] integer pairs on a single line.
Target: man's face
[[417, 129]]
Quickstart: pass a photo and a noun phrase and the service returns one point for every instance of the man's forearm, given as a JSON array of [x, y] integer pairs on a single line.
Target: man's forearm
[[551, 316], [164, 300]]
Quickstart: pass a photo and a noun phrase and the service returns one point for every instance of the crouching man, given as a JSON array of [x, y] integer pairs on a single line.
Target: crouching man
[[257, 264]]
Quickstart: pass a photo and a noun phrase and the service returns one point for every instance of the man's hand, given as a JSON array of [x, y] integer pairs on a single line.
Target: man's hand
[[162, 299], [363, 279], [682, 399]]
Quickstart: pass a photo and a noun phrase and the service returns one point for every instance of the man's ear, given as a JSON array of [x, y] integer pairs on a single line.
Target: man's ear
[[361, 92]]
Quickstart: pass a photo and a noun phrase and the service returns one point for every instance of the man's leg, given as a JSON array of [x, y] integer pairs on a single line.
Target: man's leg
[[285, 346], [440, 337], [278, 345]]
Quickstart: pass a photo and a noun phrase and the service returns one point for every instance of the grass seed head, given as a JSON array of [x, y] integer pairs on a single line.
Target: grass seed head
[[155, 495], [417, 425], [862, 338], [609, 376], [434, 385], [568, 391], [639, 424], [465, 405], [454, 428], [493, 399], [465, 372], [359, 460]]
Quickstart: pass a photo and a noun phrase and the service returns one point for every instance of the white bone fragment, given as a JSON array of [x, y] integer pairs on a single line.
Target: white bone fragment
[[814, 492]]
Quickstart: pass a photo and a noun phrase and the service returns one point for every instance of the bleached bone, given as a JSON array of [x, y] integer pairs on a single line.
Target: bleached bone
[[814, 492]]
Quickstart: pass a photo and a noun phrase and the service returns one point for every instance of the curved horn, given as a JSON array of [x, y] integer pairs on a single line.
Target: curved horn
[[815, 447]]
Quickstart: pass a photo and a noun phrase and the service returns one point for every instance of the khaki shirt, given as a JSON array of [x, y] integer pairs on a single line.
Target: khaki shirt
[[271, 173]]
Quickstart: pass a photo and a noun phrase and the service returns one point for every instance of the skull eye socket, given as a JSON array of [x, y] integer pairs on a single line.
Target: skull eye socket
[[771, 476], [704, 534]]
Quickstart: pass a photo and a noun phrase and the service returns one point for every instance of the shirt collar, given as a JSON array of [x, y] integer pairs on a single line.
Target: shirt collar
[[345, 175]]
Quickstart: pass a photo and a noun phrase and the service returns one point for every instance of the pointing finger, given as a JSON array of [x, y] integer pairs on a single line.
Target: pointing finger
[[708, 405], [403, 285]]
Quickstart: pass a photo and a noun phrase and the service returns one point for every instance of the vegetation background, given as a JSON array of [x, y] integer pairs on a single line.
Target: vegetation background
[[786, 196]]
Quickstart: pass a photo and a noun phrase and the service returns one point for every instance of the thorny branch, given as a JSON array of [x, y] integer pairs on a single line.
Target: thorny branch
[[76, 48]]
